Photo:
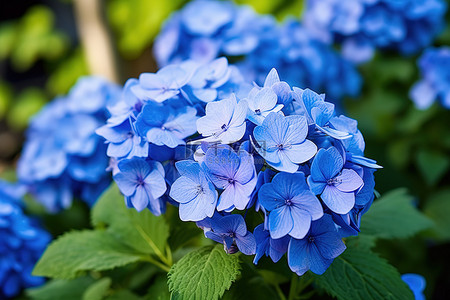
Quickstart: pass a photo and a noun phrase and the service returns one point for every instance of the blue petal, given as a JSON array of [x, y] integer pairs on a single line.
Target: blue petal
[[246, 243], [348, 181], [299, 259], [141, 198], [271, 78], [319, 264], [301, 222], [184, 190], [230, 223], [280, 222], [330, 244], [339, 202], [301, 153]]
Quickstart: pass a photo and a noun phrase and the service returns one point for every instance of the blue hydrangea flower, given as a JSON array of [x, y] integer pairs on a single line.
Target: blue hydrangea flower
[[336, 185], [224, 121], [194, 192], [265, 245], [363, 26], [416, 283], [261, 102], [232, 172], [63, 157], [142, 182], [434, 67], [317, 250], [164, 125], [232, 232], [291, 205], [22, 243], [282, 141]]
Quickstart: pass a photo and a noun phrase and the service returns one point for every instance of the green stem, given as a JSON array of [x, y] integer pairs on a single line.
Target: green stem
[[157, 263], [169, 255], [153, 246], [293, 289], [280, 292]]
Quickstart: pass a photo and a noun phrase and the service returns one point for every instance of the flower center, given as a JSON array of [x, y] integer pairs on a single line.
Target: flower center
[[257, 111], [334, 181], [288, 202], [200, 189], [231, 181], [311, 239], [140, 181]]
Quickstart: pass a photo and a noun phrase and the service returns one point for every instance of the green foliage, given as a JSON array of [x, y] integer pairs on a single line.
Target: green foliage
[[141, 231], [136, 22], [27, 103], [360, 274], [5, 97], [432, 164], [98, 290], [159, 289], [76, 252], [394, 216], [438, 209], [203, 274], [61, 289]]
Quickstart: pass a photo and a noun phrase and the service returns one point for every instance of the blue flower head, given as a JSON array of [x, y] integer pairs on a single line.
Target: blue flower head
[[62, 156], [282, 141], [234, 173], [434, 67], [335, 184], [232, 232], [194, 192], [290, 204], [317, 250], [142, 183], [22, 243]]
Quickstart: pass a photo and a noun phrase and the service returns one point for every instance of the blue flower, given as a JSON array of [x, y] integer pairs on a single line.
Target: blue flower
[[142, 183], [291, 205], [282, 141], [416, 283], [224, 121], [263, 177], [22, 243], [434, 67], [164, 125], [261, 102], [265, 245], [234, 173], [232, 232], [194, 192], [363, 26], [62, 156], [317, 250], [336, 185]]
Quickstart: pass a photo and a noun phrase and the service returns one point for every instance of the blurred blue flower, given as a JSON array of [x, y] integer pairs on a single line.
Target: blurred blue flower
[[282, 141], [265, 245], [62, 156], [142, 183], [232, 172], [434, 67], [317, 250], [232, 232], [22, 243], [363, 26], [195, 193], [291, 205], [416, 283]]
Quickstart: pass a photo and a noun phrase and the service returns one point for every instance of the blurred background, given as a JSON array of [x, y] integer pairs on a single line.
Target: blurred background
[[45, 46]]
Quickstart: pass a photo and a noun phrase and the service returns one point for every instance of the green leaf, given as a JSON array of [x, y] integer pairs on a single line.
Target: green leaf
[[203, 274], [141, 231], [394, 216], [61, 289], [98, 290], [27, 103], [432, 164], [123, 295], [437, 208], [159, 289], [361, 274], [79, 251]]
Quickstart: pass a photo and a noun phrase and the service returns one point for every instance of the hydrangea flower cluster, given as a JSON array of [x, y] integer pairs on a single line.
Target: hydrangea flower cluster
[[62, 155], [204, 30], [434, 67], [277, 149], [362, 26], [22, 243]]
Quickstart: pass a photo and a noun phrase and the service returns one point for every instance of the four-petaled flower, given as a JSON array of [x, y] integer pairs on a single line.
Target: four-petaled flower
[[232, 232], [195, 193], [261, 102], [317, 249], [336, 186], [291, 205], [233, 173], [282, 141], [142, 182], [224, 121]]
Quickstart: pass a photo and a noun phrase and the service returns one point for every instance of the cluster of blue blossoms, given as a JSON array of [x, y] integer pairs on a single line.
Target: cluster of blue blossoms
[[434, 67], [21, 244], [62, 155], [362, 26], [200, 137], [204, 30]]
